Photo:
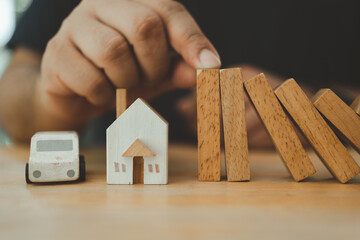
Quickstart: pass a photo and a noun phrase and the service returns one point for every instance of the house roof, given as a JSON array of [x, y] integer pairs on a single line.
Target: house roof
[[138, 107], [152, 109], [138, 149]]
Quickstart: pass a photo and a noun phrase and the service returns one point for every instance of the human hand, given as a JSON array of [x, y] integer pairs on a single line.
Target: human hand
[[103, 45]]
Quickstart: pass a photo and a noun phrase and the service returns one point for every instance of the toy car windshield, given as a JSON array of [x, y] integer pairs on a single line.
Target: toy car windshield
[[54, 145]]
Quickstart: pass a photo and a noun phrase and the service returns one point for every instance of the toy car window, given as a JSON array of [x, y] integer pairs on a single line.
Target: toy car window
[[54, 145]]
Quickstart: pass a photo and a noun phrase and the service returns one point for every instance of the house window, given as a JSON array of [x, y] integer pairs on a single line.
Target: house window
[[123, 167], [150, 168], [116, 164], [157, 169]]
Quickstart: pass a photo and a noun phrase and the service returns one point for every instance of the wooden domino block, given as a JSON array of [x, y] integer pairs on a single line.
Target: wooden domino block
[[233, 115], [279, 128], [208, 120], [339, 114], [329, 148], [356, 105]]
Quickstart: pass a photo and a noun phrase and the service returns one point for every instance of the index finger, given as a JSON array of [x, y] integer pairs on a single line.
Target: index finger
[[185, 36]]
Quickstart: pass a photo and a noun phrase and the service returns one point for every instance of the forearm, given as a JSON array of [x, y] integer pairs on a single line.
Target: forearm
[[22, 112]]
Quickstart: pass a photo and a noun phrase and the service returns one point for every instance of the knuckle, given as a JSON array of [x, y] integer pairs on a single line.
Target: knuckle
[[148, 26], [53, 45], [89, 4], [113, 49], [66, 24], [172, 7]]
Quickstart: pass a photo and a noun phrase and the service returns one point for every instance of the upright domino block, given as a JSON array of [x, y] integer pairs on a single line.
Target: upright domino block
[[339, 114], [233, 115], [279, 128], [356, 105], [329, 148], [208, 120]]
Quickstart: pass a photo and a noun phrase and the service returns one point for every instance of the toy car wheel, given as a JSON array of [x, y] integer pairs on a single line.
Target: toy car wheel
[[82, 169], [27, 174]]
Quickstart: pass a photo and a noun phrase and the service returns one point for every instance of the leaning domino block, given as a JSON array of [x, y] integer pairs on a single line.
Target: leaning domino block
[[329, 148], [208, 120], [339, 114], [233, 115], [279, 128], [356, 105]]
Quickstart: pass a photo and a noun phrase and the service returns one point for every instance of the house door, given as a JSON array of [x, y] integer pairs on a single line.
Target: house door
[[138, 170]]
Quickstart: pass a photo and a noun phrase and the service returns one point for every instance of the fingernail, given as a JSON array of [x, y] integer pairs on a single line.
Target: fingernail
[[208, 60]]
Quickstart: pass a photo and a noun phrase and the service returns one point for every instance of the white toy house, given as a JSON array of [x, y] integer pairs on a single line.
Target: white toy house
[[137, 147]]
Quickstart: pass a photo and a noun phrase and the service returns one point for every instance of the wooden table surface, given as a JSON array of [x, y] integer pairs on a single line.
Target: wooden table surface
[[270, 206]]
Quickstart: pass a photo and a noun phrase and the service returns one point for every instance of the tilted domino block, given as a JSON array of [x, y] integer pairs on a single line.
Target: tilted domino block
[[279, 127], [356, 105], [339, 114], [329, 148]]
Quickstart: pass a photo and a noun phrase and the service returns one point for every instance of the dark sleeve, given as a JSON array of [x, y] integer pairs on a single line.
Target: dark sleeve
[[40, 23]]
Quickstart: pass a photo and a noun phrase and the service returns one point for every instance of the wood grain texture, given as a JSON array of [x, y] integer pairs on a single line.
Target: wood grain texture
[[121, 101], [329, 148], [279, 128], [356, 105], [208, 124], [340, 115], [233, 115], [138, 149], [183, 209]]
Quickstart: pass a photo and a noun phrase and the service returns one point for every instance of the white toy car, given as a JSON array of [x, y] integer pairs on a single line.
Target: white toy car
[[54, 157]]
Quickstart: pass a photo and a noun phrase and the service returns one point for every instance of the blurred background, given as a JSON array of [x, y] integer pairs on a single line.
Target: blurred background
[[315, 42], [10, 12]]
